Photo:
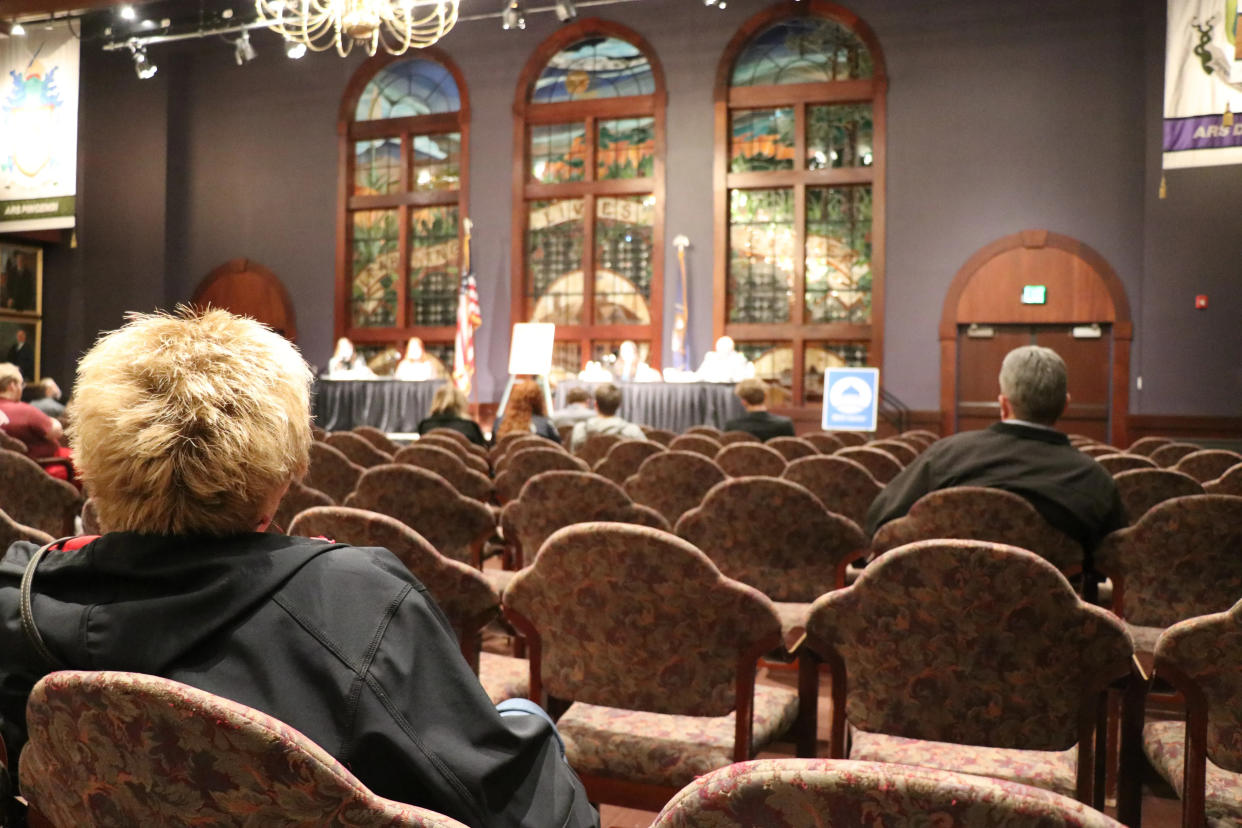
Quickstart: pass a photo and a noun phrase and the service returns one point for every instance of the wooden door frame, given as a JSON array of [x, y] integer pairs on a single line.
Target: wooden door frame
[[244, 265], [1122, 325]]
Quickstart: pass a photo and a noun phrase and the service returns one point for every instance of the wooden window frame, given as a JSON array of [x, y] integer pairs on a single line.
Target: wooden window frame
[[797, 331], [528, 114], [350, 130]]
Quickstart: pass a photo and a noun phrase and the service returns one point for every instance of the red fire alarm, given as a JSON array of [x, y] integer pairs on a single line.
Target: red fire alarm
[[1201, 301]]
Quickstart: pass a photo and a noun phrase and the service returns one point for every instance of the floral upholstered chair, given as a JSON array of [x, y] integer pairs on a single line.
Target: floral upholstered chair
[[747, 459], [882, 465], [1180, 560], [1146, 445], [706, 431], [697, 442], [521, 465], [1099, 450], [624, 458], [1119, 462], [511, 444], [823, 441], [655, 652], [792, 448], [663, 436], [456, 525], [673, 482], [33, 497], [1201, 756], [850, 438], [11, 530], [968, 656], [977, 513], [595, 448], [358, 449], [450, 466], [777, 537], [841, 484], [1208, 464], [297, 499], [1141, 489], [730, 437], [331, 472], [377, 438], [111, 748], [809, 793], [1167, 456], [902, 451], [475, 457], [467, 598], [1229, 483]]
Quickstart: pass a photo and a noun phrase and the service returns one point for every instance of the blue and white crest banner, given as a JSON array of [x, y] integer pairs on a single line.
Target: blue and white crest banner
[[38, 129]]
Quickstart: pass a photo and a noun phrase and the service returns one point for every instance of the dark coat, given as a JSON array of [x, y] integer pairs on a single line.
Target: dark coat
[[763, 424], [461, 425]]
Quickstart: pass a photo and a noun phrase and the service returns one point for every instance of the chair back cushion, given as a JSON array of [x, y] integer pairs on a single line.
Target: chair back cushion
[[110, 748], [297, 499], [792, 448], [663, 436], [377, 438], [11, 530], [521, 464], [331, 472], [882, 465], [673, 482], [33, 497], [698, 443], [731, 437], [904, 453], [358, 449], [841, 484], [1229, 483], [825, 442], [1166, 456], [1141, 489], [624, 458], [595, 448], [451, 467], [553, 500], [1116, 463], [968, 642], [745, 459], [1207, 464], [1146, 445], [629, 616]]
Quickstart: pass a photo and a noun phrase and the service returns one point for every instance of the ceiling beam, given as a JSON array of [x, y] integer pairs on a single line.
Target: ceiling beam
[[13, 9]]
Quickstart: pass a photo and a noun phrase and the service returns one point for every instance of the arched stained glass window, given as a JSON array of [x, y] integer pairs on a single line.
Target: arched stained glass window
[[405, 133], [800, 183], [590, 126]]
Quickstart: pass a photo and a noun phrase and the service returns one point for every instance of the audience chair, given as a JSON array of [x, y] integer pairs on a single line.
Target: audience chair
[[1142, 489], [959, 654], [730, 437], [566, 433], [904, 453], [452, 468], [523, 443], [297, 499], [922, 434], [663, 436], [673, 482], [11, 443], [466, 597], [318, 433], [522, 465], [1146, 445], [747, 459], [705, 430], [792, 448], [843, 485], [917, 442], [698, 442], [456, 525], [654, 651], [11, 531], [1116, 463], [823, 441], [452, 434], [473, 456], [777, 537], [358, 449], [1166, 456], [1229, 483], [377, 438], [1208, 464], [331, 472], [840, 792], [624, 458], [981, 514], [882, 465], [1201, 755], [1099, 450], [1078, 440], [1183, 558], [32, 497], [595, 448], [850, 438], [501, 445], [110, 748]]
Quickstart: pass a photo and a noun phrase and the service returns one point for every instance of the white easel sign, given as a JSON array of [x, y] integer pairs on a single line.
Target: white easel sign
[[530, 350]]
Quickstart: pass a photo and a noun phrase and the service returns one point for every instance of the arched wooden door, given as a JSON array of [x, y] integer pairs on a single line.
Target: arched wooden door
[[1084, 316], [249, 289]]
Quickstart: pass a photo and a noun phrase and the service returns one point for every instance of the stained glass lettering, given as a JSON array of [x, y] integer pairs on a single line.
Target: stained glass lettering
[[623, 240], [554, 260]]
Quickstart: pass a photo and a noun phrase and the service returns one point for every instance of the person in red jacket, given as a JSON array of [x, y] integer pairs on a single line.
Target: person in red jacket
[[39, 432]]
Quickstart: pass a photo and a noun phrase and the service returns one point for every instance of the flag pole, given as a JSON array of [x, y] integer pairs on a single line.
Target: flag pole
[[468, 226]]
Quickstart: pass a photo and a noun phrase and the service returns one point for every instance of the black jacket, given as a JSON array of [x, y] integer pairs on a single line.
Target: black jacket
[[459, 424], [341, 643], [763, 424]]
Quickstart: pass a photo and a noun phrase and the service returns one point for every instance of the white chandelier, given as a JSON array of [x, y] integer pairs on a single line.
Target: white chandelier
[[394, 25]]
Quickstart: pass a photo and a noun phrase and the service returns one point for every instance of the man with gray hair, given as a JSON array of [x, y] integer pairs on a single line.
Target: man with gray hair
[[1023, 454]]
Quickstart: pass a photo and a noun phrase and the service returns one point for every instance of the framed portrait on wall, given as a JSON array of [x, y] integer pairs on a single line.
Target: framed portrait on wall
[[21, 343], [21, 278]]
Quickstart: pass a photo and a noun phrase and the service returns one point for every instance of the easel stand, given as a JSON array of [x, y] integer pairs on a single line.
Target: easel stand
[[541, 380]]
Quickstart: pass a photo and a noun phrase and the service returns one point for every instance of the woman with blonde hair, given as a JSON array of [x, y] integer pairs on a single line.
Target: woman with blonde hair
[[524, 413], [448, 410]]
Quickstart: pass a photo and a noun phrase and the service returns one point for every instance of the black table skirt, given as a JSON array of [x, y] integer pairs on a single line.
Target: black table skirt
[[674, 405], [389, 405]]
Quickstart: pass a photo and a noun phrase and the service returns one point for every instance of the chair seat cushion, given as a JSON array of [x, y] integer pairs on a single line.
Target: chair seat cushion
[[1165, 746], [1048, 769], [504, 677], [664, 749]]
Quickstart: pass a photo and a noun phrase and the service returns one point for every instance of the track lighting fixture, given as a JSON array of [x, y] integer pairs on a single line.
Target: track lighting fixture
[[243, 52], [566, 10], [143, 67], [514, 15], [720, 4]]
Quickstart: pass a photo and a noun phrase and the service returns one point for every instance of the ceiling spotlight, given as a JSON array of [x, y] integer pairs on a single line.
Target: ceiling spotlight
[[128, 13], [143, 67], [720, 4], [294, 50], [514, 16], [566, 10], [18, 30], [243, 52]]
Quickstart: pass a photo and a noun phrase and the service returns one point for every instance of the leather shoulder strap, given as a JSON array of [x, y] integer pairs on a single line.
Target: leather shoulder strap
[[28, 622]]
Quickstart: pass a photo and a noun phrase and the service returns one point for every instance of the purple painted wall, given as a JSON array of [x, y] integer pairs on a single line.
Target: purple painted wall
[[1002, 116]]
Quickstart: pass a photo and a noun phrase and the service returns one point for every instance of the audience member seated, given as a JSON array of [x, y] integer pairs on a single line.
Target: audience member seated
[[417, 365], [577, 408], [1022, 454], [525, 414], [347, 363], [628, 367], [39, 432], [725, 364], [47, 398], [607, 401], [758, 420], [448, 410], [188, 429]]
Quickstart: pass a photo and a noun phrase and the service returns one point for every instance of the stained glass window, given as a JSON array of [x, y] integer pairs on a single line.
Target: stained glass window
[[375, 267], [377, 166], [625, 148], [558, 152], [435, 254], [823, 355], [598, 67], [566, 359], [554, 259], [623, 228], [773, 363], [802, 50], [838, 254], [838, 136], [762, 139], [761, 248], [436, 162], [408, 87]]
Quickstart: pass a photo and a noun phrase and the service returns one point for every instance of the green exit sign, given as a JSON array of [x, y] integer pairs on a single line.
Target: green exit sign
[[1034, 294]]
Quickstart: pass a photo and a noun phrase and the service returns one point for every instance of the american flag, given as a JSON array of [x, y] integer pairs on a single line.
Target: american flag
[[469, 317]]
